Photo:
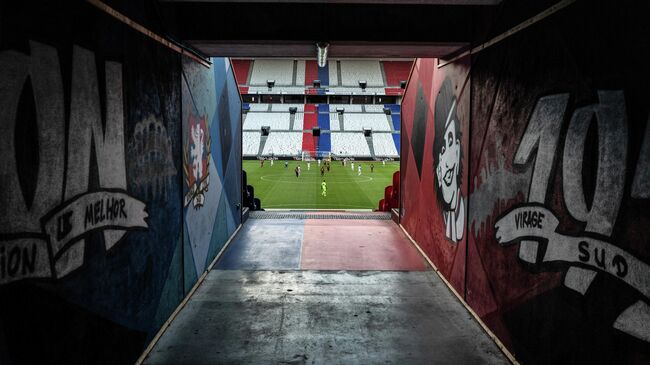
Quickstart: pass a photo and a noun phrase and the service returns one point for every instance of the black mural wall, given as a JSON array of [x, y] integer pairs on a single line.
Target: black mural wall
[[91, 260]]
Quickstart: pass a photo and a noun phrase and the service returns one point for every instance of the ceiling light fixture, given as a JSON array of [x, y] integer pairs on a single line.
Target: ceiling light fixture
[[321, 54]]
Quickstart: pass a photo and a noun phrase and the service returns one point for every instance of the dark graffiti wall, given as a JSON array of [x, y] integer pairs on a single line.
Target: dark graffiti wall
[[557, 234], [92, 258]]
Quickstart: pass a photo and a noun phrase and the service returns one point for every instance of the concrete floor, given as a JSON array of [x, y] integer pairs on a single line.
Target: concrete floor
[[266, 315]]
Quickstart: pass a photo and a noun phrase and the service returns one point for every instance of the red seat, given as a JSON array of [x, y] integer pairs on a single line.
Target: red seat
[[393, 203], [388, 192], [396, 189]]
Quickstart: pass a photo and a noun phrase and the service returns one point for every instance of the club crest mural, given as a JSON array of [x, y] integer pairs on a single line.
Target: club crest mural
[[196, 159], [448, 162]]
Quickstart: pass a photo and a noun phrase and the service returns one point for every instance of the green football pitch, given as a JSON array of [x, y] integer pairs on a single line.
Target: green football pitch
[[278, 187]]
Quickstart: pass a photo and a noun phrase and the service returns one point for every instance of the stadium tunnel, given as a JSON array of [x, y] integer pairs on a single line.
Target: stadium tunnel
[[519, 233]]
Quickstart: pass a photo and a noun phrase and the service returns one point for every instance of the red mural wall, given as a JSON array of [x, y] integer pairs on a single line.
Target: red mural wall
[[435, 142], [555, 176]]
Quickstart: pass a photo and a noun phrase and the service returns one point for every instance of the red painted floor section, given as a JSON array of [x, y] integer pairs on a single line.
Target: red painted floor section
[[335, 244]]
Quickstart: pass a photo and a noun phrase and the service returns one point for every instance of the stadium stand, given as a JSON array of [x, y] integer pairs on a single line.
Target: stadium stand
[[323, 117], [384, 145], [394, 108], [374, 108], [258, 107], [285, 107], [348, 108], [241, 69], [397, 121], [396, 71], [352, 71], [311, 72], [395, 116], [283, 144], [271, 69], [309, 142], [396, 140], [292, 134], [299, 120], [333, 76], [278, 89], [274, 120], [334, 122], [300, 73], [359, 121], [251, 143], [310, 117], [324, 76], [349, 144], [324, 144]]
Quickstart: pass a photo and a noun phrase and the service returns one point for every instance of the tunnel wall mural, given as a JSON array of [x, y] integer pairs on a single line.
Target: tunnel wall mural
[[557, 256], [211, 162], [435, 164], [93, 198]]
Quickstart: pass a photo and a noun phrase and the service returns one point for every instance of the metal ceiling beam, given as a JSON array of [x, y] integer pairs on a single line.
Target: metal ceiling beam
[[375, 2], [336, 49]]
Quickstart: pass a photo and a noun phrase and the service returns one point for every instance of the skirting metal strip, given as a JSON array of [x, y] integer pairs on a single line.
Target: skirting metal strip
[[487, 330], [312, 215], [171, 318]]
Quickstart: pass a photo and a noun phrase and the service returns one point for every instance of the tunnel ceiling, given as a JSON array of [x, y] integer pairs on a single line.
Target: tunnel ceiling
[[354, 28]]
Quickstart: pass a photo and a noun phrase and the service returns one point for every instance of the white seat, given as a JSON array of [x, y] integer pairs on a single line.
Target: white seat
[[251, 143], [335, 125], [280, 70], [333, 75], [300, 73], [359, 121], [349, 108], [350, 144], [258, 107], [299, 122], [374, 109], [283, 144], [384, 145], [353, 71], [254, 121], [285, 107]]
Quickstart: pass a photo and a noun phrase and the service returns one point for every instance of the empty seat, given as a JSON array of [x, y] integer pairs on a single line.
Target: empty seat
[[285, 107], [251, 143], [254, 121], [283, 144], [350, 144], [384, 145], [353, 71], [280, 70], [359, 121]]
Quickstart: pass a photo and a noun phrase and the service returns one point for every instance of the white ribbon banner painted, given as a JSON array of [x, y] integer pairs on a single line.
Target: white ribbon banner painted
[[35, 257], [534, 222]]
